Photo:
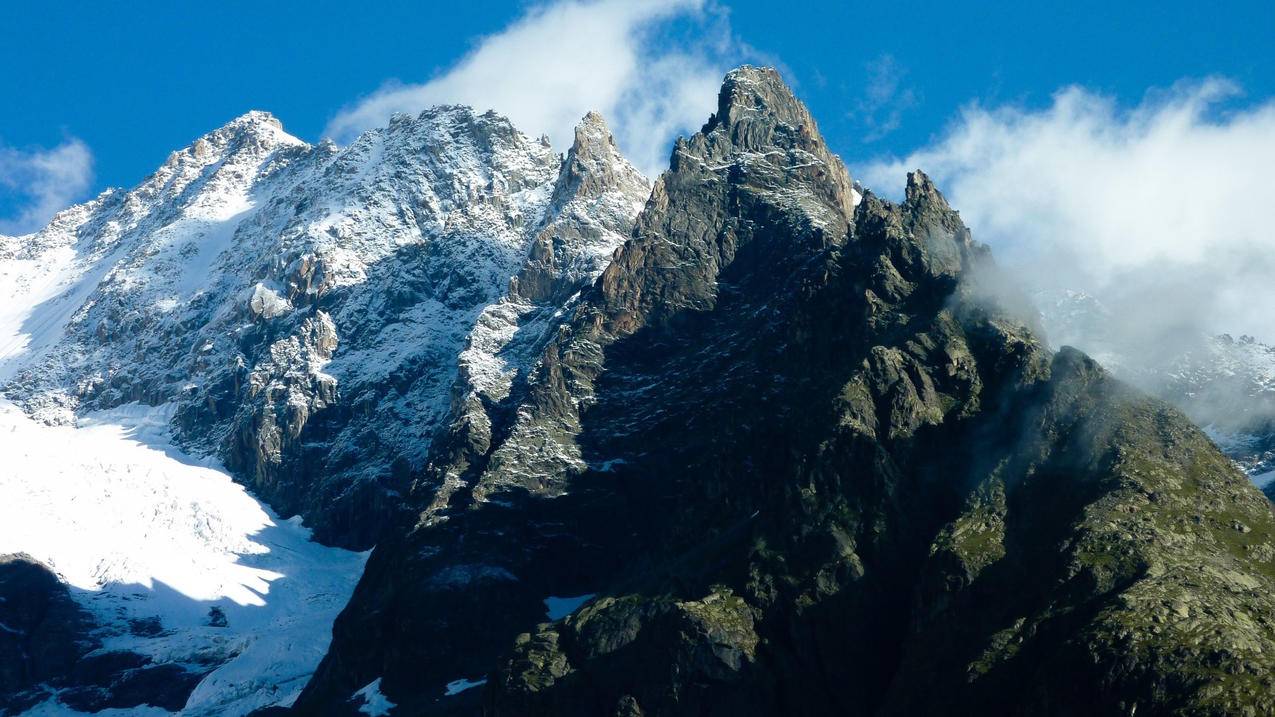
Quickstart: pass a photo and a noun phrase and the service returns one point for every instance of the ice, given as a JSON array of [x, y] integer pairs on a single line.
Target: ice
[[374, 703], [456, 687], [560, 607], [141, 530]]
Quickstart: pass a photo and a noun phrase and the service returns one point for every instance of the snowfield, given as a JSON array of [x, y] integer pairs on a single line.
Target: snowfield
[[207, 314], [143, 532]]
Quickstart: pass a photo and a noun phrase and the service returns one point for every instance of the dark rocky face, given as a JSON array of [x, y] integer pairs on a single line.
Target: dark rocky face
[[806, 465], [44, 631], [47, 647], [774, 443]]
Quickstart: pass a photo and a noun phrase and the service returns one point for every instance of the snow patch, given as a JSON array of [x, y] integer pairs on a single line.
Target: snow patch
[[455, 687], [267, 303], [374, 702], [53, 708], [142, 531], [560, 607]]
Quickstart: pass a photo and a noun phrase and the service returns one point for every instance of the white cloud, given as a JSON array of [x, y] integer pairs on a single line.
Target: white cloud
[[885, 98], [1163, 210], [563, 59], [45, 182]]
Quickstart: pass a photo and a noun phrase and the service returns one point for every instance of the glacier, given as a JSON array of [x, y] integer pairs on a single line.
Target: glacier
[[264, 328], [146, 534]]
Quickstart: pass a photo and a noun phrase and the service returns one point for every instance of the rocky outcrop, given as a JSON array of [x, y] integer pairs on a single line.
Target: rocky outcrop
[[43, 633], [48, 646], [797, 459], [595, 201], [306, 307], [1223, 383]]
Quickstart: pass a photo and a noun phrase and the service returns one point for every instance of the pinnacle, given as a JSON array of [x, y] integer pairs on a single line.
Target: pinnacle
[[256, 124], [921, 188], [750, 89], [592, 134], [594, 164], [593, 119]]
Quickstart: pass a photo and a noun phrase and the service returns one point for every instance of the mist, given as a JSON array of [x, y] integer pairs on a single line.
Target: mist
[[1140, 231], [1161, 211], [618, 58]]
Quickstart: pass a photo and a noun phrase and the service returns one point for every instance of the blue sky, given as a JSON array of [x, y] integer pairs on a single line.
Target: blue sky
[[135, 80], [1118, 148]]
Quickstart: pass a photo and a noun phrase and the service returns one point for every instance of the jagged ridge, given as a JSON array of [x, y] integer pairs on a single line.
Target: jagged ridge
[[305, 306], [810, 466]]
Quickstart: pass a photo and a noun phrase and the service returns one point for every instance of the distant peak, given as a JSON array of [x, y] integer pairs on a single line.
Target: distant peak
[[751, 89], [447, 122], [921, 188], [592, 134], [262, 127], [594, 164]]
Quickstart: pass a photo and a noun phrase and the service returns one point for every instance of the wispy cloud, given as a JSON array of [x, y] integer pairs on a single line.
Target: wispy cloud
[[43, 182], [885, 98], [562, 59], [1161, 210]]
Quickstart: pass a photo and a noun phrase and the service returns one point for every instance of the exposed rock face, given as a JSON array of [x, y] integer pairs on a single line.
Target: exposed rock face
[[47, 646], [769, 437], [595, 201], [306, 307], [596, 198], [807, 466], [1223, 383], [43, 633]]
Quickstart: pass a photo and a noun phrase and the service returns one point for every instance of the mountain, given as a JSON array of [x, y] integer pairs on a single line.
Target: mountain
[[226, 282], [1225, 384], [749, 440], [302, 318], [789, 456]]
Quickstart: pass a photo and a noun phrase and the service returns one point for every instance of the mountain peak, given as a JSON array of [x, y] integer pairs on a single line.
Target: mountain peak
[[250, 137], [592, 136], [595, 201], [255, 127], [592, 119], [594, 164], [920, 186], [256, 118], [748, 89]]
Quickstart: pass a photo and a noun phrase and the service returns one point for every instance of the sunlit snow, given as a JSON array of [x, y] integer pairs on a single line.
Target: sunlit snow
[[374, 703], [140, 530]]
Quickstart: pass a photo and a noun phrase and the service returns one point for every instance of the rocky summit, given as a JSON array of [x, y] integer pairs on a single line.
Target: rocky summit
[[750, 441]]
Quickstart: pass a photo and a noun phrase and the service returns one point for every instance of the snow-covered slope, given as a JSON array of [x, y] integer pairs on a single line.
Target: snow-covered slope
[[173, 560], [305, 308], [125, 267], [302, 319]]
